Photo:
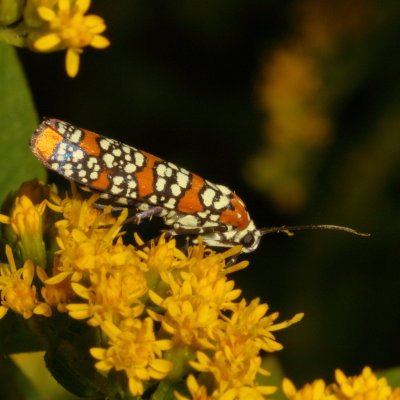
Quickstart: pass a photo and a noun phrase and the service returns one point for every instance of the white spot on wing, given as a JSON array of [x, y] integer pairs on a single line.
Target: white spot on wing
[[214, 217], [160, 184], [168, 172], [221, 203], [139, 159], [77, 155], [117, 152], [153, 199], [76, 136], [115, 189], [208, 197], [117, 180], [126, 148], [182, 179], [68, 172], [189, 221], [61, 127], [161, 169], [171, 203], [222, 188], [129, 168], [104, 144], [176, 190], [132, 184], [108, 159], [92, 162]]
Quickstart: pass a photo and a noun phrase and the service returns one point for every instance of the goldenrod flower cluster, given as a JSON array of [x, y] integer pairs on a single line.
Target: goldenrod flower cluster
[[366, 386], [51, 25], [166, 319]]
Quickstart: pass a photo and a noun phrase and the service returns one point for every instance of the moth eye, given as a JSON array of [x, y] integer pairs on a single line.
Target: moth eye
[[247, 240]]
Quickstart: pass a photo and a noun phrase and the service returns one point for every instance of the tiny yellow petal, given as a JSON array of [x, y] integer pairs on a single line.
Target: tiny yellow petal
[[3, 311], [4, 219], [288, 388], [267, 390], [102, 366], [77, 312], [47, 42], [160, 368], [94, 21], [137, 238], [135, 386], [80, 290], [100, 42], [83, 5], [43, 309], [72, 63], [97, 352], [64, 5], [155, 298], [57, 278], [46, 13], [164, 344], [10, 258]]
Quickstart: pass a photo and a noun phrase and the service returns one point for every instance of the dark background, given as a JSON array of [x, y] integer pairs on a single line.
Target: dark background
[[185, 80]]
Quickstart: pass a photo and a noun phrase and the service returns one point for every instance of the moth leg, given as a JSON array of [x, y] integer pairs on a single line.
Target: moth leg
[[135, 219], [138, 217], [99, 206], [187, 243], [141, 215]]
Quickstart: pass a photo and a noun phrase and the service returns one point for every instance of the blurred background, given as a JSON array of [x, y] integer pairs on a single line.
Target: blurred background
[[295, 106]]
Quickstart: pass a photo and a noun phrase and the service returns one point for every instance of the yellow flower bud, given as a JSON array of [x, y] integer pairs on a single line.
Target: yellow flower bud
[[10, 11]]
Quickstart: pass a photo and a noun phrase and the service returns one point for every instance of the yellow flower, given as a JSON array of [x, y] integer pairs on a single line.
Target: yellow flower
[[316, 390], [69, 28], [4, 219], [190, 319], [248, 322], [236, 361], [112, 294], [395, 395], [365, 386], [17, 291], [360, 387], [26, 222], [80, 213], [85, 239], [31, 17], [26, 218], [195, 298], [10, 11], [158, 313], [133, 348], [197, 392], [58, 294], [234, 371]]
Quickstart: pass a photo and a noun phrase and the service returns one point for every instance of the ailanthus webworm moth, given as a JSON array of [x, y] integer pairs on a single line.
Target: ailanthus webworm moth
[[188, 203]]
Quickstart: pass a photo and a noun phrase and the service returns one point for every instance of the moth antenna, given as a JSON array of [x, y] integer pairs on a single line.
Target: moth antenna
[[287, 229]]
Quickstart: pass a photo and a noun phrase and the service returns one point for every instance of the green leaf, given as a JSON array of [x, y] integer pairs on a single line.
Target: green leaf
[[14, 385], [272, 365], [392, 375], [15, 336], [18, 120]]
